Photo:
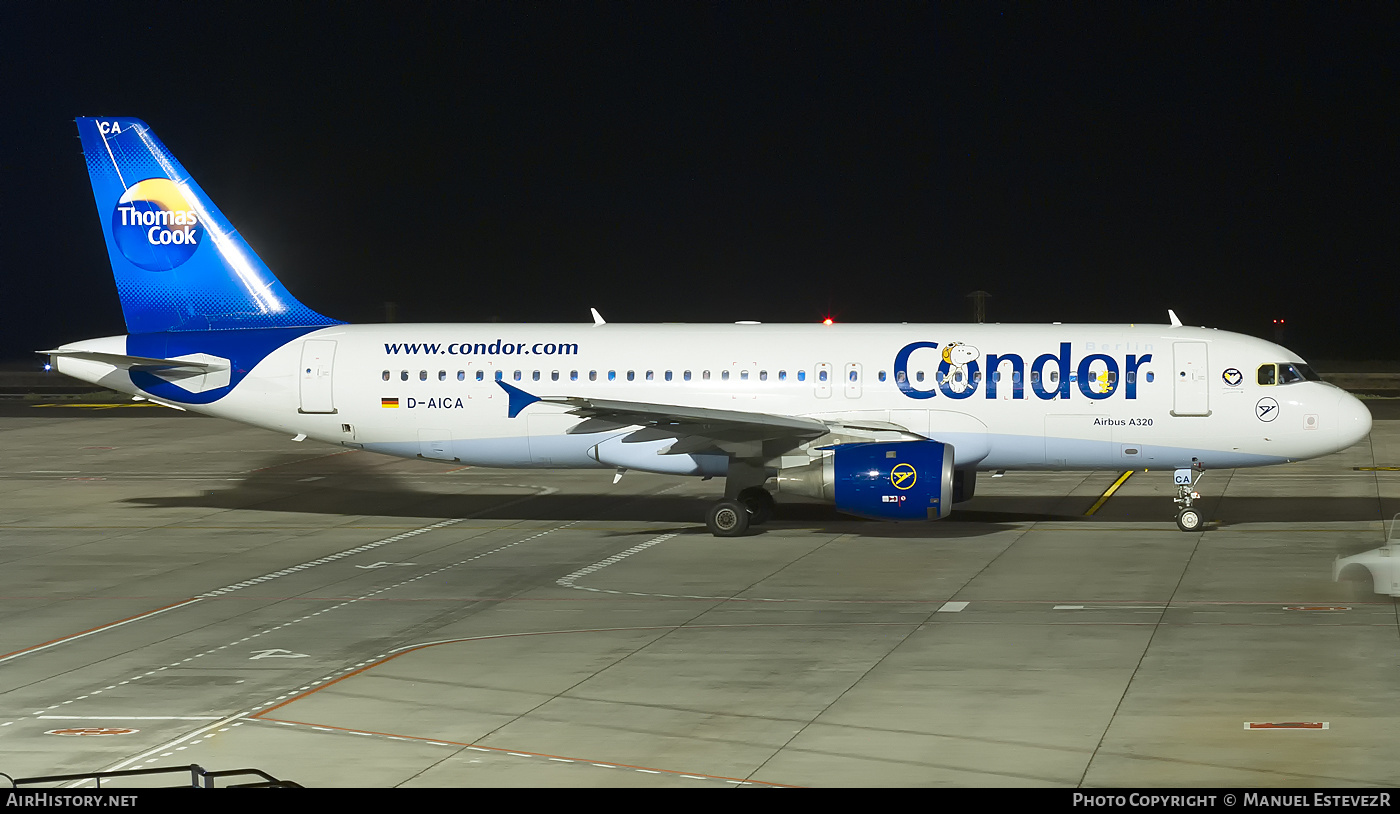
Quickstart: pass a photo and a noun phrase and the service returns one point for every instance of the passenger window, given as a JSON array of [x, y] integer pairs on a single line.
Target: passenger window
[[612, 375], [705, 376], [1035, 375], [882, 375], [480, 374], [668, 375], [422, 375], [517, 375], [1132, 377], [821, 375], [386, 375], [919, 376], [461, 375], [802, 375], [1054, 376], [686, 375], [852, 376], [593, 375], [744, 375], [724, 375], [554, 376], [763, 375], [535, 376], [1266, 374], [500, 374], [631, 375], [403, 375], [649, 376], [996, 376], [573, 375], [1150, 376], [442, 375], [782, 375], [1016, 376]]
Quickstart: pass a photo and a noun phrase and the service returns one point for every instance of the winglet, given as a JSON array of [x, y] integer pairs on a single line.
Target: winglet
[[519, 399], [597, 317], [1176, 323]]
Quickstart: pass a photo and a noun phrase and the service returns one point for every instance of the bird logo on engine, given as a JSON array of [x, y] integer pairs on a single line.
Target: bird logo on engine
[[903, 476]]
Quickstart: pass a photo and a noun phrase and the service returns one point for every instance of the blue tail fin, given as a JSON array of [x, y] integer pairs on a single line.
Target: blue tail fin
[[179, 264]]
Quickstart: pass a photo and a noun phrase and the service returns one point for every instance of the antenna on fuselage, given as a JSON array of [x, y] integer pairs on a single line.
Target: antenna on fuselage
[[597, 317], [1176, 323]]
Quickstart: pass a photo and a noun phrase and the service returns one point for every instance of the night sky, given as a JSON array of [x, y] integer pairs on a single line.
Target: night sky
[[702, 162]]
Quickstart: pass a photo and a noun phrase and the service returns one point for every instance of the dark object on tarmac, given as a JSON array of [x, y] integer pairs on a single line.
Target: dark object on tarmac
[[199, 778]]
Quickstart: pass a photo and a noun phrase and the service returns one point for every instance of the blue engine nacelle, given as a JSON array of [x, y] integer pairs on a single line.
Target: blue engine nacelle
[[881, 480]]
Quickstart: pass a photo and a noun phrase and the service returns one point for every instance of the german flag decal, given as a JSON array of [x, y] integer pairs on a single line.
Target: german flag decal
[[388, 402]]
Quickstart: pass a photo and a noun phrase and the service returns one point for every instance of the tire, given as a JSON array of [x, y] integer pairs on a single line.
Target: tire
[[1188, 520], [728, 518], [760, 503]]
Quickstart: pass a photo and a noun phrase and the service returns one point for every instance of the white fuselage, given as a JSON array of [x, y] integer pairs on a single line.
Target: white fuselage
[[1059, 396]]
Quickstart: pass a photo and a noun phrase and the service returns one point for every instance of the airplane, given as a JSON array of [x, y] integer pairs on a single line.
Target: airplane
[[888, 422]]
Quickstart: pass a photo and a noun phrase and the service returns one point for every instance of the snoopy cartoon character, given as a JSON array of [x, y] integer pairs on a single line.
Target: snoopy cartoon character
[[958, 355]]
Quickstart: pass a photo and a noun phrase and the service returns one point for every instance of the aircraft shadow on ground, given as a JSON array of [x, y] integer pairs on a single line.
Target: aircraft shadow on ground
[[282, 488]]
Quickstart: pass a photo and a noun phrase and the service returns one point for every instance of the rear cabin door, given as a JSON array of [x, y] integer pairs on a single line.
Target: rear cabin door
[[1190, 381], [317, 362]]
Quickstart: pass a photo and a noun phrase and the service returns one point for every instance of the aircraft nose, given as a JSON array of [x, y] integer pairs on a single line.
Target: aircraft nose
[[1353, 420]]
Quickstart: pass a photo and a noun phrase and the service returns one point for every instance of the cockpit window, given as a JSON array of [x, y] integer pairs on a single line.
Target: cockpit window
[[1290, 372], [1266, 374]]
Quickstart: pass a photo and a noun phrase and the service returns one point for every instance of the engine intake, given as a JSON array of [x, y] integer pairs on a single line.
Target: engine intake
[[881, 480]]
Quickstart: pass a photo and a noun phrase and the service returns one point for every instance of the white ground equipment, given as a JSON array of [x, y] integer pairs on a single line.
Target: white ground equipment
[[1382, 563]]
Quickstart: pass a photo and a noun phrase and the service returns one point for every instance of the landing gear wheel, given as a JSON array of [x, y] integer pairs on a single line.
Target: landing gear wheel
[[728, 518], [760, 503], [1188, 520]]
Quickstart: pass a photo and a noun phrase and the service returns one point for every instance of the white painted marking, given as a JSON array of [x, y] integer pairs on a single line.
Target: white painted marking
[[277, 653], [952, 607], [1068, 607], [132, 717], [163, 747]]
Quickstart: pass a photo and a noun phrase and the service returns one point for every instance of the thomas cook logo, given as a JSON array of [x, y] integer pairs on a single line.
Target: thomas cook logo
[[154, 226], [903, 476]]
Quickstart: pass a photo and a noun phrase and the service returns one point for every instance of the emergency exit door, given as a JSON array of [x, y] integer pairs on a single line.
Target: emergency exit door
[[317, 363], [1190, 379]]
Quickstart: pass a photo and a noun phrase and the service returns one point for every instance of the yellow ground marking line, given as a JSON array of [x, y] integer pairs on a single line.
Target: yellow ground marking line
[[1106, 495], [1376, 468]]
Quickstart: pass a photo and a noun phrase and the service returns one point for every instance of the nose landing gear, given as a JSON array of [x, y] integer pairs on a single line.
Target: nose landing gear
[[1188, 518]]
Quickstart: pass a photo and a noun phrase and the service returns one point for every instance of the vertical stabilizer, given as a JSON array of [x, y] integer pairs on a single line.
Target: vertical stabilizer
[[179, 264]]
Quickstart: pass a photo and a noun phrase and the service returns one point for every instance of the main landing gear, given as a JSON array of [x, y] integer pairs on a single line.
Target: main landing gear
[[732, 516], [1188, 518]]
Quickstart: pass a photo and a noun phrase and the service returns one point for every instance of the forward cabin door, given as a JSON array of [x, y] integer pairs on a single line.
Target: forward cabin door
[[317, 363], [1190, 379]]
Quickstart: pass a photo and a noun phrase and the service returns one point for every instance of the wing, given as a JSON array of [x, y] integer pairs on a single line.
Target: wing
[[697, 429]]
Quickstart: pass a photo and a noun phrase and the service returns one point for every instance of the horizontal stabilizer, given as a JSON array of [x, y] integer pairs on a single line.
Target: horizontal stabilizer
[[196, 363]]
